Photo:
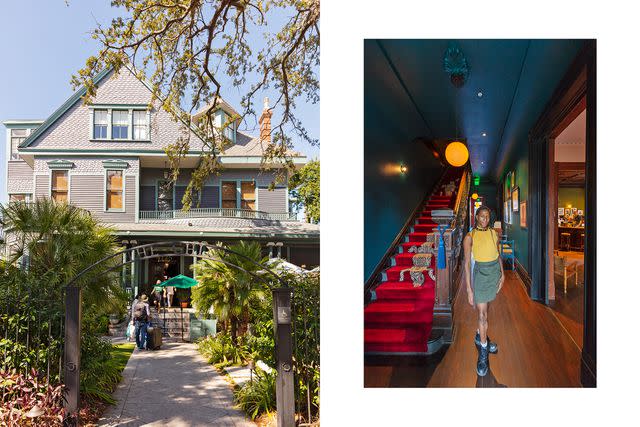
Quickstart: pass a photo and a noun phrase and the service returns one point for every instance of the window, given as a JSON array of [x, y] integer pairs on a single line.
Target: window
[[248, 197], [229, 130], [100, 123], [229, 195], [120, 128], [24, 197], [140, 125], [114, 189], [17, 136], [60, 185]]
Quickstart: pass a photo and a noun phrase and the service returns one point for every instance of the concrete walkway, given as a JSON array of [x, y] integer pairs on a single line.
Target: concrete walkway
[[172, 386]]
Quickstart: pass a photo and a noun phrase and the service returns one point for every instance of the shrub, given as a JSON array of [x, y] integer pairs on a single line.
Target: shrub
[[22, 392], [221, 351], [258, 397]]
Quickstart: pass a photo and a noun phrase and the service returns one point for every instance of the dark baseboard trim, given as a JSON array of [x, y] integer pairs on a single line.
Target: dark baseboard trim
[[524, 276], [587, 371]]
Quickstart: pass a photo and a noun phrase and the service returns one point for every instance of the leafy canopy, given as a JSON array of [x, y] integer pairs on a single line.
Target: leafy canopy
[[187, 48], [304, 186]]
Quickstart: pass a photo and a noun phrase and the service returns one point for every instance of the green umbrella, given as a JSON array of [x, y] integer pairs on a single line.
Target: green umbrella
[[179, 281]]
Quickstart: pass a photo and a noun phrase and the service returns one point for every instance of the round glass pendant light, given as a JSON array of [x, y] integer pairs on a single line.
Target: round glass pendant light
[[474, 196], [456, 154]]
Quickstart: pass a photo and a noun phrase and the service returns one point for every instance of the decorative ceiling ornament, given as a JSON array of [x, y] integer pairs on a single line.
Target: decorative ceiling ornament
[[455, 64]]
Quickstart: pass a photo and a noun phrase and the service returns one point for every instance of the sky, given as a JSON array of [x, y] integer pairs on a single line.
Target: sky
[[44, 42]]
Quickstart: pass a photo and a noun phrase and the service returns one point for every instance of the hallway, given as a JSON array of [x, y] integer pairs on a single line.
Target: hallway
[[534, 350]]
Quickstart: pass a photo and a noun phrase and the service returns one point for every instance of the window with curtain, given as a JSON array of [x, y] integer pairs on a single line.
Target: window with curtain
[[114, 189], [100, 123], [248, 197], [229, 195], [120, 127], [17, 136], [140, 125], [60, 185]]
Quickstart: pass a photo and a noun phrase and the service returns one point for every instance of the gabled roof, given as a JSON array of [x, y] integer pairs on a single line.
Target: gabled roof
[[222, 104], [77, 96], [62, 109]]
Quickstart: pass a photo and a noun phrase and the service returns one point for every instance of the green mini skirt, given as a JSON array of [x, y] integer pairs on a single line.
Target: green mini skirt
[[486, 276]]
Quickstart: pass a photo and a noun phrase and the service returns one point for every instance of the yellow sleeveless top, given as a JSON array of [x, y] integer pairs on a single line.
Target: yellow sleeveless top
[[484, 245]]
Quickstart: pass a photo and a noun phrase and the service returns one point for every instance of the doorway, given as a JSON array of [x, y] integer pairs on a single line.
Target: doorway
[[567, 231]]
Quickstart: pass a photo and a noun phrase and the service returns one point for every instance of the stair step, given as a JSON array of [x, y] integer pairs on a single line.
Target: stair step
[[393, 274], [405, 291], [395, 340], [398, 313], [404, 259], [417, 237], [425, 228]]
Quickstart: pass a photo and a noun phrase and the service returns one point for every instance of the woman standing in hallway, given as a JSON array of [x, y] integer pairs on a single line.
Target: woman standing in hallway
[[488, 277]]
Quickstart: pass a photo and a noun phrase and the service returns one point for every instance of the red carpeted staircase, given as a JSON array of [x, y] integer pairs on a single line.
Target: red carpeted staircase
[[399, 319]]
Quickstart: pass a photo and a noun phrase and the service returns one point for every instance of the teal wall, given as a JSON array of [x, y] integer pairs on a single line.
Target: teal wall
[[571, 196], [520, 236], [391, 123]]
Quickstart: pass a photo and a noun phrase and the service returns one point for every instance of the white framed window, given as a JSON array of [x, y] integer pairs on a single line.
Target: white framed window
[[114, 190], [20, 197], [100, 124], [17, 136], [140, 125], [60, 185], [120, 124]]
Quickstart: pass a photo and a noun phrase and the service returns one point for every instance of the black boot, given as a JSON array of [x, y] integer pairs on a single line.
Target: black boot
[[483, 361], [493, 347]]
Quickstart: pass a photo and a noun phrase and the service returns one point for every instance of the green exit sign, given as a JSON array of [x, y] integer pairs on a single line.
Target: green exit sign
[[476, 180]]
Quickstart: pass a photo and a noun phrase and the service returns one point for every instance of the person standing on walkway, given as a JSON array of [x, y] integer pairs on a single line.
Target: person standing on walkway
[[141, 318], [488, 277]]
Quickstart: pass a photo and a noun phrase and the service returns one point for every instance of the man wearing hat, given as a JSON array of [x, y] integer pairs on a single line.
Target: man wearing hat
[[141, 318]]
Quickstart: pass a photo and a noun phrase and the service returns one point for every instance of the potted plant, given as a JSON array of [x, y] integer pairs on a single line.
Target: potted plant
[[183, 297]]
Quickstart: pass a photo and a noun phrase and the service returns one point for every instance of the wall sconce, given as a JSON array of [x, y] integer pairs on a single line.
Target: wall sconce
[[403, 168]]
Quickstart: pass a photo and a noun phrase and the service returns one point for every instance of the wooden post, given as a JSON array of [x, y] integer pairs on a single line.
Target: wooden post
[[72, 323], [284, 359]]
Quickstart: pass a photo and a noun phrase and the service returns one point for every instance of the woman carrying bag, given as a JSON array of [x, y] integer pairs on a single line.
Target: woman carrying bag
[[488, 277]]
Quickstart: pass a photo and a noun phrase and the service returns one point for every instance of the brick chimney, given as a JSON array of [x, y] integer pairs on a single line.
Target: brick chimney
[[265, 123]]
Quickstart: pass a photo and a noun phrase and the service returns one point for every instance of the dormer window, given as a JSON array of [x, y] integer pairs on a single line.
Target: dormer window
[[120, 128], [120, 122], [140, 125], [100, 124]]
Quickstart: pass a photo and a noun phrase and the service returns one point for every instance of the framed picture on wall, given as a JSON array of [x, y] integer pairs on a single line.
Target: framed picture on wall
[[560, 211], [575, 210], [506, 212], [514, 198], [579, 211], [513, 179], [523, 214]]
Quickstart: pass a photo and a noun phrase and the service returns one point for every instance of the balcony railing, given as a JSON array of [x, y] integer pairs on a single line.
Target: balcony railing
[[215, 213]]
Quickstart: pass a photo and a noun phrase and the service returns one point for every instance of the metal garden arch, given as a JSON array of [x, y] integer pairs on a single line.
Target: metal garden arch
[[282, 296]]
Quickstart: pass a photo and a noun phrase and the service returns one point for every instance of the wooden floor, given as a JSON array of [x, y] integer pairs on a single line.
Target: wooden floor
[[535, 350], [569, 307]]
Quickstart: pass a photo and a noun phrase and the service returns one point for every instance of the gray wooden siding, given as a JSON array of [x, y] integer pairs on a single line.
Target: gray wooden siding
[[272, 201], [42, 186], [149, 176], [147, 198], [210, 197], [20, 170], [20, 177], [87, 192]]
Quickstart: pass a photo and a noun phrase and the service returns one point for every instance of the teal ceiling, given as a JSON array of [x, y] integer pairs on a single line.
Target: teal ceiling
[[516, 78]]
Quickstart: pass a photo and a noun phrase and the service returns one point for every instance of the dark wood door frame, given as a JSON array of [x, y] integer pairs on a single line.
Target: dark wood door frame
[[578, 87]]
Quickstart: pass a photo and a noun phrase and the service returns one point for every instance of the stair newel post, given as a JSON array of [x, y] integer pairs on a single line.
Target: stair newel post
[[442, 310], [284, 356]]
